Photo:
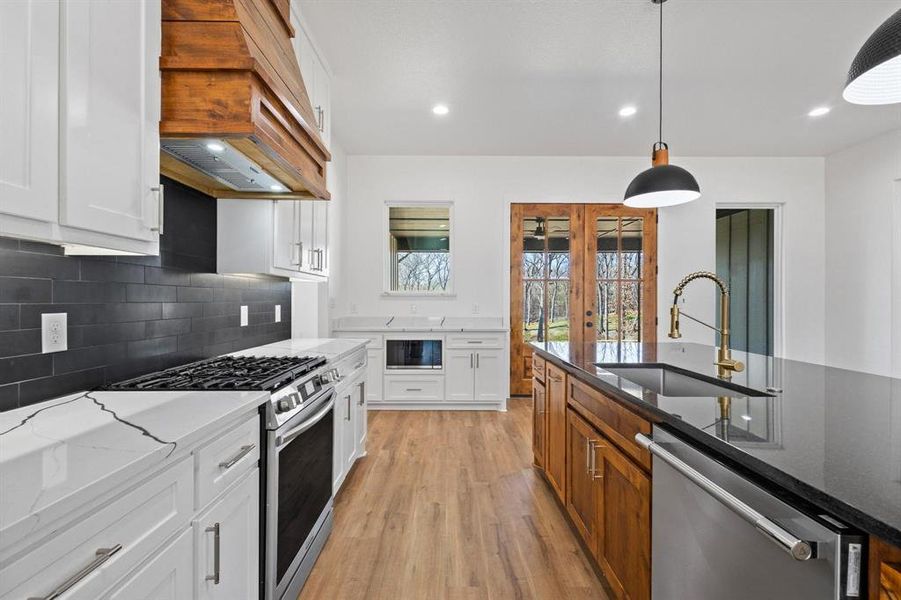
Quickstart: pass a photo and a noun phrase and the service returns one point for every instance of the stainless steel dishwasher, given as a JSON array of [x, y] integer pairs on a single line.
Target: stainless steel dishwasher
[[715, 535]]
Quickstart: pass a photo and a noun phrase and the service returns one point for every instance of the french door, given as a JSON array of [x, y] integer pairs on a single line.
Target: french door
[[580, 273]]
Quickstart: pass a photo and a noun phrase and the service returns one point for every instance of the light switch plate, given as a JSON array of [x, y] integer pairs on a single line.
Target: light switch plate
[[244, 316], [54, 334], [278, 313]]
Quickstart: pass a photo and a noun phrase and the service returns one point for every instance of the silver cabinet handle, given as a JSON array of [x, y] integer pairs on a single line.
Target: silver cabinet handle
[[320, 118], [362, 393], [587, 456], [474, 342], [347, 418], [472, 358], [214, 529], [796, 548], [161, 208], [299, 254], [101, 556], [244, 451], [477, 360], [414, 389], [358, 366], [594, 445]]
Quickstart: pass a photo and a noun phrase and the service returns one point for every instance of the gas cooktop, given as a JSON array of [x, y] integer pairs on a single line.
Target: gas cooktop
[[266, 373]]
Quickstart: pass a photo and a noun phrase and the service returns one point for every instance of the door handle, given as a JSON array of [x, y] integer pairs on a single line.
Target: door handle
[[477, 360], [471, 360], [796, 548], [589, 324], [161, 208], [593, 470], [245, 450], [101, 556], [214, 529]]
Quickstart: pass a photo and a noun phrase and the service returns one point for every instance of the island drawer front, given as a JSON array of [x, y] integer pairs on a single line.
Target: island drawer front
[[222, 461], [613, 419], [538, 367], [107, 544], [475, 340], [375, 339], [414, 389]]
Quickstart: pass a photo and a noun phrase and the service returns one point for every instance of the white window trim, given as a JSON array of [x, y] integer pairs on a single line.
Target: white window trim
[[386, 250]]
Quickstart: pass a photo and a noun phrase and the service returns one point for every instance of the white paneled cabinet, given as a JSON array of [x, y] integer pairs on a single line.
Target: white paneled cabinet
[[79, 155], [168, 576], [475, 376], [461, 375], [109, 123], [227, 541], [350, 416], [277, 237], [29, 111], [490, 376], [316, 79], [375, 369]]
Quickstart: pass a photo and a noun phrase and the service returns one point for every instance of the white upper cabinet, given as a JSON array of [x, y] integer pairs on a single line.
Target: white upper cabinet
[[316, 79], [286, 253], [313, 226], [29, 110], [109, 127]]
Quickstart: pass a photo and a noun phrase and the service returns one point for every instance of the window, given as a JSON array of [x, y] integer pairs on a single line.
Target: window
[[419, 249]]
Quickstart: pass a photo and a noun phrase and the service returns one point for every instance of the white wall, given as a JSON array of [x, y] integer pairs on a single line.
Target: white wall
[[482, 189], [863, 215]]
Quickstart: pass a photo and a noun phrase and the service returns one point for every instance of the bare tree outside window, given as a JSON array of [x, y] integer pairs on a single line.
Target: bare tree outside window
[[419, 245]]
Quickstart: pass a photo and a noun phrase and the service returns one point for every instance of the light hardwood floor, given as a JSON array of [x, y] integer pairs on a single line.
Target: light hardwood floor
[[447, 506]]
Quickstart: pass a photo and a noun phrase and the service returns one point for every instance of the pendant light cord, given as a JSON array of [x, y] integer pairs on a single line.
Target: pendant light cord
[[660, 88]]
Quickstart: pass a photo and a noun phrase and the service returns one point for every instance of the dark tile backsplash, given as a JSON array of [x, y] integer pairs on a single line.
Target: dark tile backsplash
[[129, 315]]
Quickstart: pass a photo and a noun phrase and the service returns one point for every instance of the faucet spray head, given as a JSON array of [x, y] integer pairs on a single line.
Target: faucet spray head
[[674, 322]]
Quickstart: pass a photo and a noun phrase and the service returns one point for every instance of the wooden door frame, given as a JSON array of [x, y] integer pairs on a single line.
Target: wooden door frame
[[578, 213], [519, 352]]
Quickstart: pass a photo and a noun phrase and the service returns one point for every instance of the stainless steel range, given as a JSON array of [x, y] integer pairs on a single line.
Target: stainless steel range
[[298, 426]]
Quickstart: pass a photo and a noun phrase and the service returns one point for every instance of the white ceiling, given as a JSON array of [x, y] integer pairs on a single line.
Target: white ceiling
[[547, 77]]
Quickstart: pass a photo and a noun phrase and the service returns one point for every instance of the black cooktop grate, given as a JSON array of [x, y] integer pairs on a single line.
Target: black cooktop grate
[[227, 373]]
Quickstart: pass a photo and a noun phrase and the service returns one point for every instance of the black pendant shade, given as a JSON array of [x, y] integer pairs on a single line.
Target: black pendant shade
[[664, 185], [875, 73]]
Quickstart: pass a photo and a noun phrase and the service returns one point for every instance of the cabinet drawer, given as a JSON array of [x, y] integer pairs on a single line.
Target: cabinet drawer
[[413, 389], [613, 419], [375, 339], [222, 461], [113, 540], [538, 367], [475, 340]]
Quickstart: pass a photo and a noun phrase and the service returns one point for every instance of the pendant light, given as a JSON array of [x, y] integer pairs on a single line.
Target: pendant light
[[663, 184], [875, 73]]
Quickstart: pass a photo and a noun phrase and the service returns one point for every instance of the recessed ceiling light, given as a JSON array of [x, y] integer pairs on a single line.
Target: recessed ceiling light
[[819, 111], [627, 111], [440, 109], [214, 147], [276, 188]]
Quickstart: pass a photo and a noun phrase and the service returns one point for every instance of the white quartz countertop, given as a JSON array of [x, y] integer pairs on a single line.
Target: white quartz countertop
[[333, 349], [58, 455], [440, 324]]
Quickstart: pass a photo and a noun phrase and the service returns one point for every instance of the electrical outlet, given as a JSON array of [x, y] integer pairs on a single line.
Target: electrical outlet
[[413, 308], [244, 316], [278, 313], [475, 309], [54, 335]]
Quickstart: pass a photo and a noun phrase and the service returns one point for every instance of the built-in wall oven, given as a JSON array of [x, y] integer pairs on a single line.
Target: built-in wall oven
[[298, 488], [414, 354]]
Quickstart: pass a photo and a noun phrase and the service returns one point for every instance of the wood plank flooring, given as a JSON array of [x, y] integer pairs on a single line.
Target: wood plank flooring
[[447, 506]]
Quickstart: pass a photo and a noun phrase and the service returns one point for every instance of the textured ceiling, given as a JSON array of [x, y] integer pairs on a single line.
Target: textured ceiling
[[547, 77]]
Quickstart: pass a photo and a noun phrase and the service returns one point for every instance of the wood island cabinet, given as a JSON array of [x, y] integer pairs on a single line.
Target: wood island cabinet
[[884, 571], [556, 430], [600, 474]]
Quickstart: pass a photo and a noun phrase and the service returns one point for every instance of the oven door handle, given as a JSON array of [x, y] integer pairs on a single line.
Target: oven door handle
[[292, 433]]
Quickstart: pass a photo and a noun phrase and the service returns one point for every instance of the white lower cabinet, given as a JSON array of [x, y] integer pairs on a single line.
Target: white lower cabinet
[[375, 368], [226, 539], [149, 541], [461, 375], [490, 376], [167, 576]]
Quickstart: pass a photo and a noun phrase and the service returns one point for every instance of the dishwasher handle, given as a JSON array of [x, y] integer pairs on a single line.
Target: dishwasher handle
[[797, 548]]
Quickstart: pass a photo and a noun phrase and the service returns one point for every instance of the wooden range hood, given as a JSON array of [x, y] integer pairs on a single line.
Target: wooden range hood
[[231, 80]]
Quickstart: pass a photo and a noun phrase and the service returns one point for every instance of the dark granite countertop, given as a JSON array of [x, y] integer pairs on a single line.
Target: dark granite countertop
[[831, 438]]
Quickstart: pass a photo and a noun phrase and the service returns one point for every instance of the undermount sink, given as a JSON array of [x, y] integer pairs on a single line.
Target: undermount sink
[[667, 381]]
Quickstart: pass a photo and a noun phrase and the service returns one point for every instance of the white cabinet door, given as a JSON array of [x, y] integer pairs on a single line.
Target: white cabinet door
[[375, 369], [230, 529], [361, 419], [168, 576], [341, 431], [29, 108], [109, 119], [305, 224], [322, 100], [320, 238], [460, 375], [489, 381], [285, 251]]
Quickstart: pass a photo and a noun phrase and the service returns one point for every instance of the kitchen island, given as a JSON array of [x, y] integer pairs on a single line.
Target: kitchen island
[[826, 438]]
